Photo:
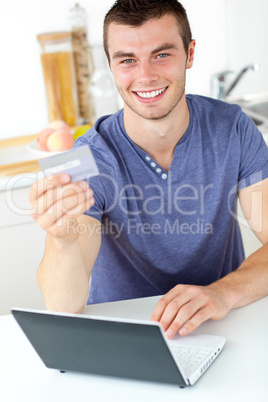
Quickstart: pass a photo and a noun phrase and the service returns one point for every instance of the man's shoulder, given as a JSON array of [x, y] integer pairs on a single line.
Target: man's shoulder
[[205, 104], [103, 128], [217, 115], [100, 138]]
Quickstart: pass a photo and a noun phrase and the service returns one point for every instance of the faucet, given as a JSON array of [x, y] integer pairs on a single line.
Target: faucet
[[218, 81]]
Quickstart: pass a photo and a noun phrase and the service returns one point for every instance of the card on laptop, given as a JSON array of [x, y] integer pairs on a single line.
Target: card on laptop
[[79, 163], [117, 347]]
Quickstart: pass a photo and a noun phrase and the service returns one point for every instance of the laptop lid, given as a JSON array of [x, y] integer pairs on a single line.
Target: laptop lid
[[96, 345]]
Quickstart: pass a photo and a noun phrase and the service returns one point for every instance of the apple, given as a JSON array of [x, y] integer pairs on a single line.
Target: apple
[[60, 140], [59, 125], [43, 137]]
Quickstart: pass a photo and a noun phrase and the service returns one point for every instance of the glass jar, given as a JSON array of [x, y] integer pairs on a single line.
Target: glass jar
[[59, 74], [102, 88], [83, 62]]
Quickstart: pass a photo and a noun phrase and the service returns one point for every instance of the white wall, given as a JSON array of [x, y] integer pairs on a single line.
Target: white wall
[[247, 34], [22, 92], [209, 33]]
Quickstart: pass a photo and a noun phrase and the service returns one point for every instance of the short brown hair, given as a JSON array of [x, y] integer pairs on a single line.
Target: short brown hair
[[137, 12]]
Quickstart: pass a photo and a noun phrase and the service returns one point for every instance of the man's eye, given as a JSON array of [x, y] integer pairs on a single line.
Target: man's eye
[[127, 61], [162, 55]]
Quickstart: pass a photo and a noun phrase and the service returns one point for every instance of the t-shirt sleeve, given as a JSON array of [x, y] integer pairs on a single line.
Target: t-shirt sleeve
[[253, 153], [103, 185]]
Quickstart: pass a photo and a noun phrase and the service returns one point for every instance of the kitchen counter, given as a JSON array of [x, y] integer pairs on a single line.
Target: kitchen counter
[[19, 162]]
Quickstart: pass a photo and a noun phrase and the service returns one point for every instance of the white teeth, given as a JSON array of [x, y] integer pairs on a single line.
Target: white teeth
[[148, 95]]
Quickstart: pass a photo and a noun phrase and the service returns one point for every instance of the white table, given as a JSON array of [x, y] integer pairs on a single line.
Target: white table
[[240, 373]]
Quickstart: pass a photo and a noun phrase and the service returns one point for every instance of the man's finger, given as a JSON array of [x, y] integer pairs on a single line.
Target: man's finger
[[72, 207], [165, 300], [55, 194], [42, 185], [180, 315], [201, 316]]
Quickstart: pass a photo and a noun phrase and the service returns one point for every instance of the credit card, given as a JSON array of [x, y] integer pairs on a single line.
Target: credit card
[[78, 163]]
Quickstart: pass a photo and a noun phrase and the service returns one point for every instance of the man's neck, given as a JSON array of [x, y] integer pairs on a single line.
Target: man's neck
[[158, 137]]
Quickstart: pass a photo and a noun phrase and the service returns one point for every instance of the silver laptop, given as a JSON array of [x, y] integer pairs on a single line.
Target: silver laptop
[[117, 347]]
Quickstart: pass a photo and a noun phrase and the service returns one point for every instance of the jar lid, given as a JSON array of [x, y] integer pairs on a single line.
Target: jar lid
[[54, 37]]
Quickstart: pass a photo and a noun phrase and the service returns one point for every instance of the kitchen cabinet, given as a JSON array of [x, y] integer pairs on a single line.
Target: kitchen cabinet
[[22, 244]]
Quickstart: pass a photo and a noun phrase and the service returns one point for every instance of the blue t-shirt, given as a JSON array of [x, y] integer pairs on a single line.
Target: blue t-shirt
[[160, 228]]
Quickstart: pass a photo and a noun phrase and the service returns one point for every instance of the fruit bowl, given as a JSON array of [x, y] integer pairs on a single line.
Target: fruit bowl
[[58, 137], [34, 148]]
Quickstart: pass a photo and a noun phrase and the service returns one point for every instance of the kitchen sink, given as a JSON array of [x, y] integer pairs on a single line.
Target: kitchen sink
[[260, 108], [255, 105]]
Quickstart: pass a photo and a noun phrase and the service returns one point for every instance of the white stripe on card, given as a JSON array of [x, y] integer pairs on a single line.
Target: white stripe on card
[[64, 166]]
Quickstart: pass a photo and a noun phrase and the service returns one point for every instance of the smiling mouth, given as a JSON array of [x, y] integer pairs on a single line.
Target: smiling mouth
[[152, 94]]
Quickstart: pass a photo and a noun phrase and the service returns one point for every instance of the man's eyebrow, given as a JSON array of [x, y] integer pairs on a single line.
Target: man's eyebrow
[[121, 54], [165, 46]]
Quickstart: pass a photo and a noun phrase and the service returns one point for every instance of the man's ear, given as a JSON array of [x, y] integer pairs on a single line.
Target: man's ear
[[191, 50]]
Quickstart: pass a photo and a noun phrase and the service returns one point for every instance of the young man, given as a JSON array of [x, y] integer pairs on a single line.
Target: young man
[[162, 220]]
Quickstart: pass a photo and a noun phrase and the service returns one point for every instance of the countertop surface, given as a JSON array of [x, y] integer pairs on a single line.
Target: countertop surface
[[21, 155]]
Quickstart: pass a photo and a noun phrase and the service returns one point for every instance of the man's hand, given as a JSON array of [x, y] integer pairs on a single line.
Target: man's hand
[[185, 307], [55, 201]]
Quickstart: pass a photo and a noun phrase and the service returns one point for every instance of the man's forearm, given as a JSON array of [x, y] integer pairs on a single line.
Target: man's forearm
[[62, 276], [248, 283]]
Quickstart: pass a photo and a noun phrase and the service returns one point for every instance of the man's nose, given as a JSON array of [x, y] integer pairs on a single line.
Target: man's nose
[[147, 72]]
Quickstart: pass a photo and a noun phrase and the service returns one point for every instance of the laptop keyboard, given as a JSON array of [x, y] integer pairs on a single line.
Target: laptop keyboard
[[189, 358]]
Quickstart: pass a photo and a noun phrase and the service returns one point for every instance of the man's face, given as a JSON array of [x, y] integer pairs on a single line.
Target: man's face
[[148, 64]]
